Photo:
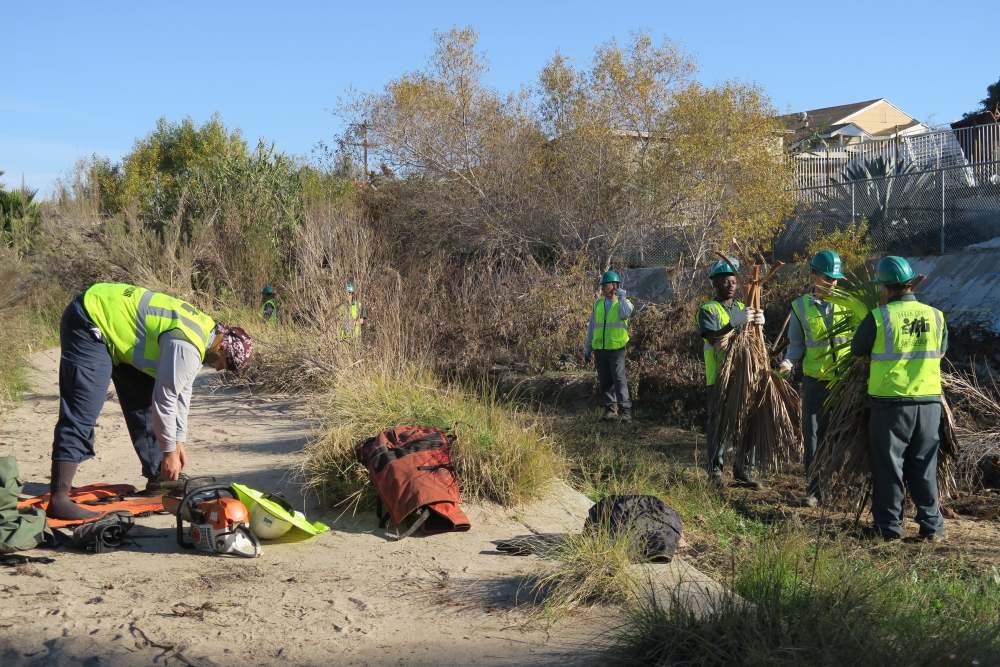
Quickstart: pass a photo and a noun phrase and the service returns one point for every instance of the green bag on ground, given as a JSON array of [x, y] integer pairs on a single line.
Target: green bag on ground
[[19, 529], [251, 497]]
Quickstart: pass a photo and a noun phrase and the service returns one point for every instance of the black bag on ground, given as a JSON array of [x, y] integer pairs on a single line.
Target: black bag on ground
[[655, 527]]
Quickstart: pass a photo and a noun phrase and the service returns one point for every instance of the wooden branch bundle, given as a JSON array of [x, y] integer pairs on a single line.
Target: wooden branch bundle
[[757, 411]]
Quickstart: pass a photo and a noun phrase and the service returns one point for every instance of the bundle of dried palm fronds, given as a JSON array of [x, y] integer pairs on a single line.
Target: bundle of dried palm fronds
[[756, 409], [842, 461]]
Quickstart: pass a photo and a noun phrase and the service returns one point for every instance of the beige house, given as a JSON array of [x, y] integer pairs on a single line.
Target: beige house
[[850, 123]]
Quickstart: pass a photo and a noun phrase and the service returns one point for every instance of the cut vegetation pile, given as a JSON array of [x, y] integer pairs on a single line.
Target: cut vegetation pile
[[758, 411]]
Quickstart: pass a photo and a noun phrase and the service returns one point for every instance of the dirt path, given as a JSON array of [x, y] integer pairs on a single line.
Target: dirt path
[[349, 596]]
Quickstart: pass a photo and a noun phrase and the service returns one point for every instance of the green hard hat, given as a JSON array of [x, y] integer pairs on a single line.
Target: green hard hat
[[350, 287], [827, 262], [610, 277], [721, 268], [893, 270], [267, 290]]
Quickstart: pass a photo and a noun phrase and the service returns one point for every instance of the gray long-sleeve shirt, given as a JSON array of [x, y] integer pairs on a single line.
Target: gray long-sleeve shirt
[[178, 366], [624, 311]]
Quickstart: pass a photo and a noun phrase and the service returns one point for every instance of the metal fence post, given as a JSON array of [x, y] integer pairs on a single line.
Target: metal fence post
[[852, 203], [942, 212]]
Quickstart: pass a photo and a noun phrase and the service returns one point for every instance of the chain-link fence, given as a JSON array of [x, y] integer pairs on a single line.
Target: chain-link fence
[[955, 209]]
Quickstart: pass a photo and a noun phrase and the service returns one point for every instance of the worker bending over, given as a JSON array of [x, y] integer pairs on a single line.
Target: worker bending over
[[715, 319], [906, 340], [151, 346], [607, 335], [809, 331]]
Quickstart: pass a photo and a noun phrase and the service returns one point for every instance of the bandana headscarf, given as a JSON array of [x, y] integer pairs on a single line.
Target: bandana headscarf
[[236, 345]]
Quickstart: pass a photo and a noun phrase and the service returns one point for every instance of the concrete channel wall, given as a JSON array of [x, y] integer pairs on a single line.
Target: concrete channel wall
[[965, 286]]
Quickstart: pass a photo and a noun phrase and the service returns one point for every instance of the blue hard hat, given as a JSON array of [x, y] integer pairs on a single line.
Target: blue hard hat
[[721, 268], [610, 277], [350, 287], [267, 290]]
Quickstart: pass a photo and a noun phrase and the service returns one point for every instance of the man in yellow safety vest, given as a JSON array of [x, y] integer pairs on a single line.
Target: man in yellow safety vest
[[905, 340], [607, 335], [716, 319], [151, 346], [352, 315], [811, 341]]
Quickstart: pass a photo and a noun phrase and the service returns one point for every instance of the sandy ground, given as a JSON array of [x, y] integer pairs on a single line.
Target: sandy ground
[[350, 596]]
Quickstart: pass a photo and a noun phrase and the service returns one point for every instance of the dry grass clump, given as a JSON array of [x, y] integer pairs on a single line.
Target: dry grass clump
[[501, 454], [587, 568]]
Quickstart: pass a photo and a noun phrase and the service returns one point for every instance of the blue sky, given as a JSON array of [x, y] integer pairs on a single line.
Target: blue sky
[[91, 77]]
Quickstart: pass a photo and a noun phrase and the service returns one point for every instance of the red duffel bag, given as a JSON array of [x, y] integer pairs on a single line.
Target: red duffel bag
[[412, 473]]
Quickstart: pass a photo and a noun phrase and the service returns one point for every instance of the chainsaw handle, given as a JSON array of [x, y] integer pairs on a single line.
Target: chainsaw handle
[[187, 500]]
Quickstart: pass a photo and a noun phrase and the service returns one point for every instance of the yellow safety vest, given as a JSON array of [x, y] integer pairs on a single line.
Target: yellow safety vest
[[345, 330], [610, 331], [906, 357], [273, 319], [820, 352], [712, 358], [133, 318]]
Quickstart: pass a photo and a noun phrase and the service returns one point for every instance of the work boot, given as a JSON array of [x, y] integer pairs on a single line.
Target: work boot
[[610, 415], [626, 415], [746, 479], [876, 533], [939, 536], [810, 501], [716, 479], [61, 506], [157, 486]]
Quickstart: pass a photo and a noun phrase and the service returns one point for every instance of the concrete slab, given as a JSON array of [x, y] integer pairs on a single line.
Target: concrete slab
[[563, 510]]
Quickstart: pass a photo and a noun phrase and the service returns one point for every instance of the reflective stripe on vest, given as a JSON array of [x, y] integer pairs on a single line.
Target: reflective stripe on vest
[[820, 354], [132, 320], [906, 357], [610, 331], [712, 358]]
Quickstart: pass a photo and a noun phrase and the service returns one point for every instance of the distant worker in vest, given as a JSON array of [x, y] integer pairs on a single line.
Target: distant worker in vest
[[606, 338], [268, 309], [151, 346], [811, 342], [906, 340], [351, 314], [716, 319]]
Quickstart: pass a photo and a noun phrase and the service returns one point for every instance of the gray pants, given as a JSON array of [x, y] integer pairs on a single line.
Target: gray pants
[[904, 446], [611, 377], [716, 450], [814, 421]]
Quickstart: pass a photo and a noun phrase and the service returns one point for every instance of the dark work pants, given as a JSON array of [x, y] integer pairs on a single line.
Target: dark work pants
[[717, 450], [611, 376], [814, 421], [85, 373], [904, 447]]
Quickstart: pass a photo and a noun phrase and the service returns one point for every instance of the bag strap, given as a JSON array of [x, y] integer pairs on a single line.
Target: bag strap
[[416, 524]]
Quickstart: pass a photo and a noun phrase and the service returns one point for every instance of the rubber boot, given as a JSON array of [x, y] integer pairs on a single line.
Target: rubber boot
[[60, 505]]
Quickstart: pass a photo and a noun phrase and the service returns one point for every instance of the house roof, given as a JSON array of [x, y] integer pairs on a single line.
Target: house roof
[[803, 123]]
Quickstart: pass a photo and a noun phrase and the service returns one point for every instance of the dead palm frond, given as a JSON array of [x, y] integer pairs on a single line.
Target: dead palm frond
[[758, 411]]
